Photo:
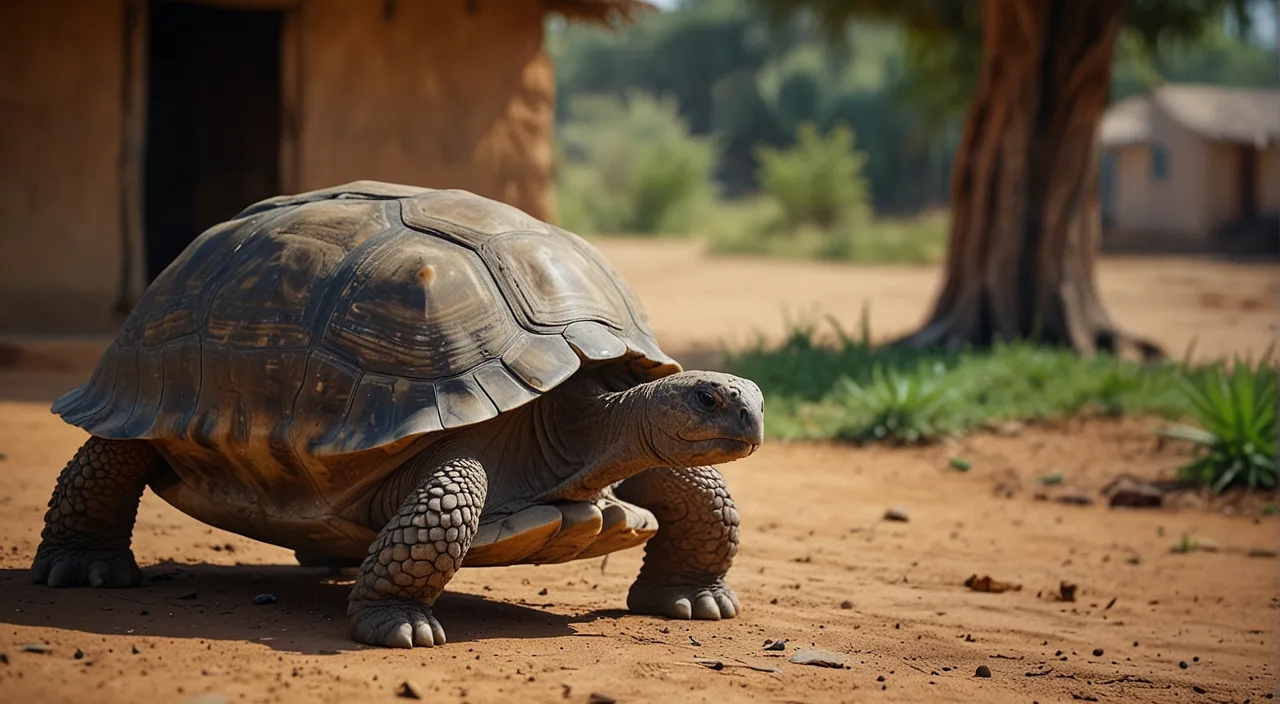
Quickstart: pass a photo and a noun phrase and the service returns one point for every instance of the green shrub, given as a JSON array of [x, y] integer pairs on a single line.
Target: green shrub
[[1236, 413], [817, 181], [630, 165]]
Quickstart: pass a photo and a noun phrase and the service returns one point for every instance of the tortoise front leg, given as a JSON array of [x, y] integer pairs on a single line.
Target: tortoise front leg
[[417, 553], [686, 561]]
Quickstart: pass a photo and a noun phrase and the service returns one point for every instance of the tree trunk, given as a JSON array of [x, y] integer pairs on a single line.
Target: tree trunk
[[1026, 219]]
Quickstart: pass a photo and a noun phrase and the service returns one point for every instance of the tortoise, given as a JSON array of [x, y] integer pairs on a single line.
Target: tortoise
[[405, 380]]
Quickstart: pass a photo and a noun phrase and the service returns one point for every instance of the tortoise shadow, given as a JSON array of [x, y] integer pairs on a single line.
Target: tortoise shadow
[[217, 602]]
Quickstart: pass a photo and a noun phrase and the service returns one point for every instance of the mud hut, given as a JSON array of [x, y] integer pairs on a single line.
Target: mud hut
[[128, 126]]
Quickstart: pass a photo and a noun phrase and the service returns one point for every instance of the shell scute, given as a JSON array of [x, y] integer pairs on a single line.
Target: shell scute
[[463, 402], [542, 361], [359, 190], [553, 282], [420, 307], [465, 217], [172, 306], [502, 386]]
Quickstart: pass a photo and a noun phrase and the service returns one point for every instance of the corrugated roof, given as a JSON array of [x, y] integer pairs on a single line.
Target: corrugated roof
[[1244, 115]]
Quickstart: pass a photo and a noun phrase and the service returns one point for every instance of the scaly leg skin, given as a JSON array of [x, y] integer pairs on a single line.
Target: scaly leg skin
[[416, 554], [89, 525], [685, 563]]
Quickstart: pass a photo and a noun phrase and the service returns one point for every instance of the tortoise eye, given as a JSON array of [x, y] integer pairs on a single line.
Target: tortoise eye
[[706, 399]]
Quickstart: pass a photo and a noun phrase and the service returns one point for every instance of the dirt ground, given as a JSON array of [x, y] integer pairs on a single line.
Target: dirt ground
[[819, 566]]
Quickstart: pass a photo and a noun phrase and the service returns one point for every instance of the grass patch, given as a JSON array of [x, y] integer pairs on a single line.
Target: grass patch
[[748, 227], [838, 386]]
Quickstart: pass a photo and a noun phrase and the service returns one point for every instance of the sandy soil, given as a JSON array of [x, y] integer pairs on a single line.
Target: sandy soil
[[819, 566]]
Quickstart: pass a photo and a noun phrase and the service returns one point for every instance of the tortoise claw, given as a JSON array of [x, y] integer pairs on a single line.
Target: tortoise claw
[[395, 623], [61, 567], [710, 602]]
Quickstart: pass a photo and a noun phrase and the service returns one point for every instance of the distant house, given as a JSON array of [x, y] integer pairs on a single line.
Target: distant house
[[1191, 167], [129, 126]]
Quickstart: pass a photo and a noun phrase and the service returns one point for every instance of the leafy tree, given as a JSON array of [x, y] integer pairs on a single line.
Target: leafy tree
[[1025, 214], [752, 83]]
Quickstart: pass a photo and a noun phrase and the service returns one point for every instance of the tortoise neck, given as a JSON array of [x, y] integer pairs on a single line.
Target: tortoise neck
[[606, 435]]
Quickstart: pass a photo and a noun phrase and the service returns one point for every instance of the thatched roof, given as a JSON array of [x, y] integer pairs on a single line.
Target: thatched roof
[[605, 12], [1218, 113]]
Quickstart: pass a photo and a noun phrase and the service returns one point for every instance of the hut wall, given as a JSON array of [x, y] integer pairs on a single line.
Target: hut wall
[[60, 128], [429, 94]]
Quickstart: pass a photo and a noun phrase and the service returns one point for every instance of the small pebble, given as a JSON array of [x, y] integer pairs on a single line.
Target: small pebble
[[819, 658], [408, 690], [897, 513], [79, 654], [880, 678], [4, 659], [1182, 664], [982, 671], [36, 648], [779, 644], [145, 613], [264, 599], [598, 698], [135, 650], [1097, 652], [846, 604], [1197, 689], [189, 595]]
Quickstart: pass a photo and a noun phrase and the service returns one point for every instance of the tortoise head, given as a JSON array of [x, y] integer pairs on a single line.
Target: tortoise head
[[700, 418]]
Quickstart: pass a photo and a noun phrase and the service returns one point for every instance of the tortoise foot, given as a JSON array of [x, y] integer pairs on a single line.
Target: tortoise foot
[[395, 623], [69, 567], [709, 602]]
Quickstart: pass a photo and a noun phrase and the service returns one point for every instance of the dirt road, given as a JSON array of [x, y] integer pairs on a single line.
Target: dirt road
[[819, 566]]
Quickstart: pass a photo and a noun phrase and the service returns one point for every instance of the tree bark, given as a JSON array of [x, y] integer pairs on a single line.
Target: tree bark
[[1026, 218]]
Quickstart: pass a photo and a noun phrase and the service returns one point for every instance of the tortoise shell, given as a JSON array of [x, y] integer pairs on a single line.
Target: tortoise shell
[[312, 338]]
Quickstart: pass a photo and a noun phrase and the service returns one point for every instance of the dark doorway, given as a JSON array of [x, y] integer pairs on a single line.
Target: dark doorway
[[1248, 182], [213, 120]]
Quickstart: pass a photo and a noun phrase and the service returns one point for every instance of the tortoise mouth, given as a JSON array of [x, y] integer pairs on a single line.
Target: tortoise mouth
[[731, 446]]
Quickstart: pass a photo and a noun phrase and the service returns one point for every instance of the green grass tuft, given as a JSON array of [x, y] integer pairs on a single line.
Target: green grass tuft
[[1235, 434], [839, 386]]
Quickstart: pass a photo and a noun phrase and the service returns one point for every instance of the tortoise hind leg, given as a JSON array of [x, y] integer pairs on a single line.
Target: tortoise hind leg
[[417, 553], [89, 525], [686, 561]]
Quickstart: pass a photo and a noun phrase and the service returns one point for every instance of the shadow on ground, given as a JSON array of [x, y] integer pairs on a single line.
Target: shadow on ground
[[216, 602]]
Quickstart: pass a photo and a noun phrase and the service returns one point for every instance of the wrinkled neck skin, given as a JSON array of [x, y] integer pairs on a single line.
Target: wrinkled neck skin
[[570, 444], [596, 436]]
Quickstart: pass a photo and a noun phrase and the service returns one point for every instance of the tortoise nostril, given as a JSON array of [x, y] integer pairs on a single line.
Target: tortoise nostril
[[742, 414]]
